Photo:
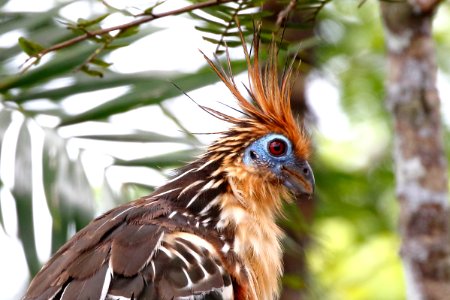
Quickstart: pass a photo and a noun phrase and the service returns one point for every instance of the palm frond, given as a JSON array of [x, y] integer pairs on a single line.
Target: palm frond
[[219, 23]]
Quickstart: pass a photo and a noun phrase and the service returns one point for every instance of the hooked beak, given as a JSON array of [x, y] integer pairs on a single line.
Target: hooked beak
[[299, 178]]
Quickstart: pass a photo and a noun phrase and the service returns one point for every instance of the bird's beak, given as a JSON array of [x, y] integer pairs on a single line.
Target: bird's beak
[[299, 178]]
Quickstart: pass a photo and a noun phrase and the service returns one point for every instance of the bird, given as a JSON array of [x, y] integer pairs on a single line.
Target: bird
[[210, 231]]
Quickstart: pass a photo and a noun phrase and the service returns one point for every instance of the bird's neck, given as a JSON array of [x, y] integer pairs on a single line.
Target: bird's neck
[[250, 208], [242, 208]]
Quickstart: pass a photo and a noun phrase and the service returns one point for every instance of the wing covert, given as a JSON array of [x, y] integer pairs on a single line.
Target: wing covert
[[134, 252]]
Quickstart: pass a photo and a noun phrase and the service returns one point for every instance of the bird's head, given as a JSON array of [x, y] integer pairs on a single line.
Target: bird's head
[[274, 155], [266, 147]]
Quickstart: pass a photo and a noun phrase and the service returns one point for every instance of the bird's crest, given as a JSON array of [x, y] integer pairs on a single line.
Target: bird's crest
[[269, 109]]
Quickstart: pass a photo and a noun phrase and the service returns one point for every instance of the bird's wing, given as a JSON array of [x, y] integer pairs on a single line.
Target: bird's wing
[[136, 251]]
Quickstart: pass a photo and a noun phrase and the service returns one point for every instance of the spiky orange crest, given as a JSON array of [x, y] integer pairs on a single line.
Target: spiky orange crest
[[269, 110]]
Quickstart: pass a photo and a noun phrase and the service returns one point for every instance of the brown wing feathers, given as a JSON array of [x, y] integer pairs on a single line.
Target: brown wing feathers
[[131, 251]]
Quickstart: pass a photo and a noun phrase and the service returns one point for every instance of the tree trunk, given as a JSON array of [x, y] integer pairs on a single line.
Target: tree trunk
[[421, 165]]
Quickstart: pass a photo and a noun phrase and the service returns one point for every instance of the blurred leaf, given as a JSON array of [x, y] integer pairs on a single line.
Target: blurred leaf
[[191, 138], [5, 120], [172, 159], [2, 225], [64, 62], [225, 30], [116, 45], [360, 197], [293, 281], [128, 32], [46, 34], [211, 29], [91, 72], [29, 47], [83, 23], [84, 84], [100, 62], [138, 137], [229, 43], [152, 92], [134, 190], [22, 193], [28, 20], [67, 190], [149, 11]]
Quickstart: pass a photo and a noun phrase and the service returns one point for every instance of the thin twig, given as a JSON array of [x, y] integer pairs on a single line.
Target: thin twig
[[93, 56], [144, 19], [283, 15], [228, 27]]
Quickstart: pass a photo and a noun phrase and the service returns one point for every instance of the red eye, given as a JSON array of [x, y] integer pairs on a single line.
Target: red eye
[[277, 147]]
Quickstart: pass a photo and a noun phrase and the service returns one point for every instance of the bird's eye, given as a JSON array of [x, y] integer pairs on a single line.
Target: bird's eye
[[277, 147]]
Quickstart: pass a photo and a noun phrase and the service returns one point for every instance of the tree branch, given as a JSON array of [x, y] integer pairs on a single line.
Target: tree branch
[[425, 6], [100, 32], [283, 15]]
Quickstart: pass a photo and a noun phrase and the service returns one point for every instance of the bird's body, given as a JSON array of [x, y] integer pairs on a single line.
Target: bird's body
[[209, 232]]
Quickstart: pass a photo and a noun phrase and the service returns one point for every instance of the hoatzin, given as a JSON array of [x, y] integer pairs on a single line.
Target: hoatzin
[[210, 231]]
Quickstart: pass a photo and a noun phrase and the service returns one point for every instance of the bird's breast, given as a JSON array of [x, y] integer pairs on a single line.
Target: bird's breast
[[256, 244]]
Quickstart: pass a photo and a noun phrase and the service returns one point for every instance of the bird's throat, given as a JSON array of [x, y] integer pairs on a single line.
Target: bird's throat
[[257, 237]]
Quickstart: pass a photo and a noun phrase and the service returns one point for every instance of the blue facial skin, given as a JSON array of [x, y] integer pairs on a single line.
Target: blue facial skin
[[294, 173], [258, 155]]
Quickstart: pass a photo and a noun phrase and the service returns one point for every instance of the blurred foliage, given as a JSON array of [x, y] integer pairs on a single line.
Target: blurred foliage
[[223, 22], [354, 249], [355, 252]]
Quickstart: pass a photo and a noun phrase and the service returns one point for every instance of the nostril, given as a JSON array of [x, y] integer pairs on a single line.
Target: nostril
[[253, 155]]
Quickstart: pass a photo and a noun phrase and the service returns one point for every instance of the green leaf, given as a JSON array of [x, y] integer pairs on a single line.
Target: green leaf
[[85, 84], [206, 20], [46, 34], [100, 62], [115, 45], [2, 225], [152, 92], [29, 47], [82, 23], [69, 196], [91, 72], [210, 29], [149, 10], [225, 12], [191, 138], [22, 193], [172, 159], [29, 21], [138, 137], [5, 120], [128, 32], [229, 43], [64, 62]]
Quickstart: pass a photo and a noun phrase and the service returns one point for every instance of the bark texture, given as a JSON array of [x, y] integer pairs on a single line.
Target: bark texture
[[421, 166]]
